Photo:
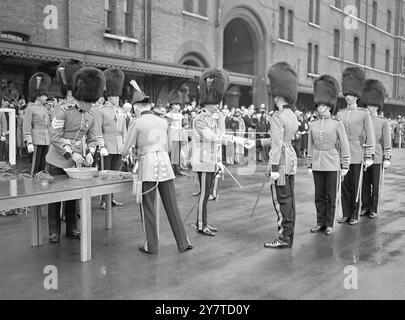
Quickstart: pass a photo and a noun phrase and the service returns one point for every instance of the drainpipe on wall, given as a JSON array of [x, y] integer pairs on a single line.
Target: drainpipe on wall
[[68, 23], [366, 35]]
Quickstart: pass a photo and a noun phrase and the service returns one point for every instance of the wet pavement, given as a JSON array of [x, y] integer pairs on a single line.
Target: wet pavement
[[233, 265]]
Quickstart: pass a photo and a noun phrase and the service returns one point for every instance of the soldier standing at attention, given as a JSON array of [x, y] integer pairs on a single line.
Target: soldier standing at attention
[[209, 134], [373, 99], [37, 120], [328, 152], [71, 122], [283, 159], [111, 125], [149, 134], [360, 132]]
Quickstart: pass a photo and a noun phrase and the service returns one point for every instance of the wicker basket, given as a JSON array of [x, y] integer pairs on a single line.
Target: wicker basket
[[81, 173]]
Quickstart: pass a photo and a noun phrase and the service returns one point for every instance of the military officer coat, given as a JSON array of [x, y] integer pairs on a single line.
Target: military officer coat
[[36, 124], [382, 138]]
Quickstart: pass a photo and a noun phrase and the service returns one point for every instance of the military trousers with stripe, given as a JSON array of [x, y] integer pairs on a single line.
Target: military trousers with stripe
[[326, 186], [371, 188], [39, 159], [206, 181], [148, 209], [284, 204], [350, 190]]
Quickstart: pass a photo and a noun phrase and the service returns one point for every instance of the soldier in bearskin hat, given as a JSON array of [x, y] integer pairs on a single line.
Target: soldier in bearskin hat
[[283, 159], [209, 134], [176, 134], [71, 122], [360, 132], [328, 152], [148, 136], [373, 99], [36, 122], [111, 125]]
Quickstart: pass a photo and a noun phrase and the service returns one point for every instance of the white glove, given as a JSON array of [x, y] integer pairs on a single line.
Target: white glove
[[369, 163], [240, 140], [89, 159], [275, 176], [387, 164], [30, 148], [104, 152], [250, 144], [221, 167], [310, 172], [344, 172], [78, 159], [3, 138]]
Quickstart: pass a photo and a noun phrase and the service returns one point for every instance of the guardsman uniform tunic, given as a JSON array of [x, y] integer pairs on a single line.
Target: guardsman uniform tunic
[[36, 126], [283, 159], [111, 133], [69, 126], [360, 133], [371, 181], [176, 137], [150, 135], [328, 154], [208, 136]]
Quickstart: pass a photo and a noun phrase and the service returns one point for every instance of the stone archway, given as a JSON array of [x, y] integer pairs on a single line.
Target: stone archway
[[244, 51]]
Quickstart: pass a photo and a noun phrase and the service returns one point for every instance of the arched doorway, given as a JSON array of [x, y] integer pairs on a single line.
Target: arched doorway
[[244, 52]]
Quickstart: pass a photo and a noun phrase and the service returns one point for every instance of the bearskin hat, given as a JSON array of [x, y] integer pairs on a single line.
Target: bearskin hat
[[374, 94], [213, 85], [114, 82], [326, 91], [65, 72], [138, 96], [88, 84], [175, 97], [353, 81], [283, 82], [38, 85]]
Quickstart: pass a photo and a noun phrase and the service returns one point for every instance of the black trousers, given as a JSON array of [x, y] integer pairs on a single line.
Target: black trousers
[[284, 204], [39, 159], [350, 186], [112, 162], [206, 180], [54, 220], [168, 194], [371, 188], [325, 197]]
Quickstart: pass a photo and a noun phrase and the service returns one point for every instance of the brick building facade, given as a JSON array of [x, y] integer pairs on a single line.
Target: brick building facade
[[164, 44]]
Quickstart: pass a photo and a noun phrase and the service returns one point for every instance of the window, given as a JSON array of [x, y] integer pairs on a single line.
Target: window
[[314, 8], [129, 18], [358, 6], [108, 16], [281, 23], [372, 62], [336, 43], [356, 48], [313, 58], [316, 59], [387, 60], [196, 6], [375, 12], [389, 17], [338, 4], [309, 66], [290, 25]]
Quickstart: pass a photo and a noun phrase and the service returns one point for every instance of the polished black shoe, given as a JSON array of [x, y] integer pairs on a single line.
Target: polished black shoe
[[373, 215], [317, 229], [206, 232], [115, 203], [328, 231], [54, 238], [190, 247], [213, 229], [75, 235], [353, 222], [277, 244], [343, 220], [142, 249], [364, 213]]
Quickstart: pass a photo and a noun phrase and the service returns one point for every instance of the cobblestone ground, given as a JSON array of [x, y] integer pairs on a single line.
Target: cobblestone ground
[[233, 265]]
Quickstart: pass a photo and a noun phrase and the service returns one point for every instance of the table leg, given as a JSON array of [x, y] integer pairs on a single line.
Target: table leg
[[85, 223], [108, 214], [36, 226]]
